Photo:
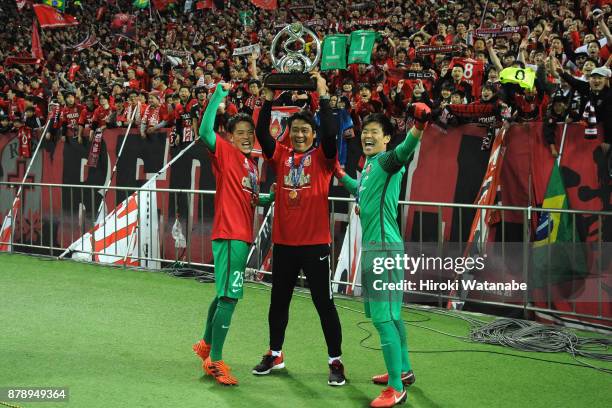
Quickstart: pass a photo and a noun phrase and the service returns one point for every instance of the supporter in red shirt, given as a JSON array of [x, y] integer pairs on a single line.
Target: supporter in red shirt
[[183, 117], [198, 109], [103, 115], [155, 116], [69, 117], [14, 105], [86, 117]]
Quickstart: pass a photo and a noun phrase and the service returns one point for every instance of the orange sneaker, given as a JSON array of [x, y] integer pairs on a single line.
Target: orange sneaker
[[382, 379], [389, 398], [202, 349], [220, 371]]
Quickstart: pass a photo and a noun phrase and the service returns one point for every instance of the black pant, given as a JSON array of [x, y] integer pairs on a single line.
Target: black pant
[[314, 261]]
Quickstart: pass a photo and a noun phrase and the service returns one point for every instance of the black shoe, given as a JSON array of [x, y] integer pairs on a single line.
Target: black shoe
[[408, 378], [269, 363], [336, 374]]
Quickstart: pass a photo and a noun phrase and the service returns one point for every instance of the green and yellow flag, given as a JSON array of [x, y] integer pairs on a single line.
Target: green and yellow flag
[[58, 4], [141, 4], [558, 254]]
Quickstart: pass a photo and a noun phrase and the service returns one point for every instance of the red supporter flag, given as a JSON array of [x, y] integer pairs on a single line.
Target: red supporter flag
[[204, 4], [123, 24], [49, 17], [36, 47], [22, 61], [160, 5], [266, 4], [74, 68]]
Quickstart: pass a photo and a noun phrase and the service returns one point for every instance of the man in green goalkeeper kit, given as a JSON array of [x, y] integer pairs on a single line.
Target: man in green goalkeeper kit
[[237, 195], [377, 193]]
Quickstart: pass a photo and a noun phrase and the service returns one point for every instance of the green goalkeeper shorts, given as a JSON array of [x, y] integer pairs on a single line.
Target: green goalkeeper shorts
[[230, 258], [380, 303]]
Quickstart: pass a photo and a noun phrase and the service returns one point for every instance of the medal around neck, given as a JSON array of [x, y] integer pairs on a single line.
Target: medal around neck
[[290, 60]]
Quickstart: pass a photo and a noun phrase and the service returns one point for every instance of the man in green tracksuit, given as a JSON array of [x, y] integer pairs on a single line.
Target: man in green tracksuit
[[377, 194]]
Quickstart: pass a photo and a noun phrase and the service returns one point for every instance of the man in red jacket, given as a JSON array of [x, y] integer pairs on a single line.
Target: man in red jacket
[[301, 232]]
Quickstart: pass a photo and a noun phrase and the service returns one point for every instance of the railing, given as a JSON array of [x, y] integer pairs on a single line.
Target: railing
[[52, 216]]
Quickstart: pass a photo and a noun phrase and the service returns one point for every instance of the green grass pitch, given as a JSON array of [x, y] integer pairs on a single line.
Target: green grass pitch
[[122, 338]]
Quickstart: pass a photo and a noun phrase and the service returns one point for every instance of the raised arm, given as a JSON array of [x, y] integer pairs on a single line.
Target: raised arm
[[493, 55], [604, 28], [421, 113], [582, 87], [350, 184], [262, 132], [207, 132], [253, 65], [329, 127]]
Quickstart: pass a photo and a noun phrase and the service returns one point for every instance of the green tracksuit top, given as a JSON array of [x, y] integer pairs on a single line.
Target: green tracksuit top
[[377, 192]]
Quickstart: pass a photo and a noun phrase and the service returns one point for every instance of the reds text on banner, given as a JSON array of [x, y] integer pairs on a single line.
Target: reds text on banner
[[334, 52], [362, 43], [497, 32], [437, 49]]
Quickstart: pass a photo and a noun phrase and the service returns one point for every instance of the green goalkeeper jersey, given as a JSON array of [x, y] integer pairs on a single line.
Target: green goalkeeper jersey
[[377, 192]]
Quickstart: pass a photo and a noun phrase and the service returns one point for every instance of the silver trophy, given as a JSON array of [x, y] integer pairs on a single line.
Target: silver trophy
[[292, 63]]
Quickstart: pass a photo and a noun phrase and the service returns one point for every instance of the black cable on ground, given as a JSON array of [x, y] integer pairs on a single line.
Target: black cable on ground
[[532, 337], [514, 333]]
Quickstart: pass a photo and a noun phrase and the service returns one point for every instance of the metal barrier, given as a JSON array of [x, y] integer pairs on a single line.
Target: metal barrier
[[51, 215]]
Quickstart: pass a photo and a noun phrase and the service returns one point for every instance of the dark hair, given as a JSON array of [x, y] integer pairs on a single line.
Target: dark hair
[[596, 42], [490, 87], [241, 117], [256, 82], [304, 115], [382, 120]]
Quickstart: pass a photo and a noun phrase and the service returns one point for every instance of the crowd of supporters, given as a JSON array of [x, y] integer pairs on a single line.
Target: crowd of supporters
[[161, 66]]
